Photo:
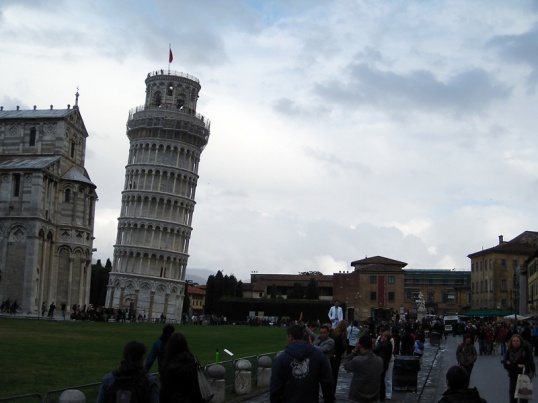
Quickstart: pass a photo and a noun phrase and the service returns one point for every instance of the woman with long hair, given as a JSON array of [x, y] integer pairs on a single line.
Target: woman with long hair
[[130, 379], [179, 373], [518, 357]]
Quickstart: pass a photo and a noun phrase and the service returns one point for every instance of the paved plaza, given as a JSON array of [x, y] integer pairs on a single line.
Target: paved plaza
[[488, 376]]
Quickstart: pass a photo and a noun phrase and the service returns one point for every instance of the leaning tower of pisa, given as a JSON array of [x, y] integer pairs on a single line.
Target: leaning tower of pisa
[[166, 137]]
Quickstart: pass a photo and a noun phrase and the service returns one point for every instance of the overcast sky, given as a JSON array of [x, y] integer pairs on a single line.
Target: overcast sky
[[339, 129]]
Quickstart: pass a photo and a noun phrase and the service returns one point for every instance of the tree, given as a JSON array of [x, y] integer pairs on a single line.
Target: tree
[[99, 282], [297, 292], [311, 273], [219, 286], [273, 291], [312, 289]]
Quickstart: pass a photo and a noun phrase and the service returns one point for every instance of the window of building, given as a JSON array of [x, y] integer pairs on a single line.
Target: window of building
[[16, 185], [503, 263], [431, 296], [72, 149], [514, 264], [373, 296], [158, 98], [392, 280], [391, 296], [32, 137], [373, 279], [170, 89], [67, 195]]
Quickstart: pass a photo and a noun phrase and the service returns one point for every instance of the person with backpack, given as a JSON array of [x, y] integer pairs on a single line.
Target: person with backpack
[[179, 373], [130, 383], [158, 348]]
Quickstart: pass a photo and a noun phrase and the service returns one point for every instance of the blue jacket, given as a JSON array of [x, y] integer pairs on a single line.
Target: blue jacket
[[297, 374]]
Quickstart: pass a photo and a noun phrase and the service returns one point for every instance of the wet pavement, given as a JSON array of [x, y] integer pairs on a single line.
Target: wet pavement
[[430, 380]]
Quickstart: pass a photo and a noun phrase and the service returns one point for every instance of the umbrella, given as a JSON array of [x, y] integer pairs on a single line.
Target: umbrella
[[519, 317]]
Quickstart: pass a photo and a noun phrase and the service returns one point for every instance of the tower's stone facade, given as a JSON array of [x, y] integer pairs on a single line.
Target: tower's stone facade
[[166, 138], [47, 207]]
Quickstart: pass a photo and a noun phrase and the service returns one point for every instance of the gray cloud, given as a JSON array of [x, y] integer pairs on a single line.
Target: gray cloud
[[468, 92], [521, 48]]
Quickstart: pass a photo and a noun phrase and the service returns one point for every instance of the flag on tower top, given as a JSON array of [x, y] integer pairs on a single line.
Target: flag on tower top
[[170, 57]]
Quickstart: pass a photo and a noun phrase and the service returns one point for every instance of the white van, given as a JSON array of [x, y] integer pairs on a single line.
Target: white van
[[449, 321]]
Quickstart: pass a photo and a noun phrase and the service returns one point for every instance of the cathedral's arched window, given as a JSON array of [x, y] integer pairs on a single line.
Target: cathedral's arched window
[[32, 136], [158, 98], [67, 195], [72, 149]]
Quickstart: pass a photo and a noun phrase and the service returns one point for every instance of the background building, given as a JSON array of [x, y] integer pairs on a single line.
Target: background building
[[374, 288], [47, 207], [444, 291], [499, 276], [166, 138]]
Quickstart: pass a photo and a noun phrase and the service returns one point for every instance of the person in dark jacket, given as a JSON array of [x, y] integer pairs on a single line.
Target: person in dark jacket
[[367, 369], [132, 366], [340, 346], [299, 371], [518, 358], [457, 382], [179, 373], [383, 349], [158, 348]]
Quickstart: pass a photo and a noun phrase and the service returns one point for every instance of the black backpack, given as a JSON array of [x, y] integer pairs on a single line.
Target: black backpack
[[129, 389]]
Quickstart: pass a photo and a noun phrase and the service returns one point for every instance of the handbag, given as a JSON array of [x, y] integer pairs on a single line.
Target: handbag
[[206, 390], [523, 387]]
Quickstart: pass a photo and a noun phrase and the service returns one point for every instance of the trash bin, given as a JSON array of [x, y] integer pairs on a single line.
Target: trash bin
[[405, 372], [435, 339]]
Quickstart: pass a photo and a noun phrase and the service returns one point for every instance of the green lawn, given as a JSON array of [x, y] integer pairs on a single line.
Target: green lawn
[[42, 355]]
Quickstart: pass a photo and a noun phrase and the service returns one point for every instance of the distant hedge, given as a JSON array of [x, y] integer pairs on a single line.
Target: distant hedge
[[238, 309]]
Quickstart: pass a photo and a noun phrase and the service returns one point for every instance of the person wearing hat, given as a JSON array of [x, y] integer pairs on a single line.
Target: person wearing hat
[[367, 369]]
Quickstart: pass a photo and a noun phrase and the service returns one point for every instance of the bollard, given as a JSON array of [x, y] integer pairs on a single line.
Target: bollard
[[264, 371], [216, 374], [72, 396], [243, 377]]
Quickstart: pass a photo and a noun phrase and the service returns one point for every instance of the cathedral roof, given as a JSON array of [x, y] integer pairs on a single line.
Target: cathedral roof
[[36, 113], [73, 174], [29, 162]]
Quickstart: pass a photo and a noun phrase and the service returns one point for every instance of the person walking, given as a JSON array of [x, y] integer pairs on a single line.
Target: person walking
[[340, 346], [466, 354], [179, 373], [353, 334], [299, 372], [383, 349], [158, 348], [518, 358], [367, 369]]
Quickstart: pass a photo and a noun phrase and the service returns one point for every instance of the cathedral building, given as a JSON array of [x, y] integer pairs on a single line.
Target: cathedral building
[[167, 137], [47, 207]]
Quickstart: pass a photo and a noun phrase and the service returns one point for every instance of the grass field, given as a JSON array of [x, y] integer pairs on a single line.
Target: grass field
[[42, 355]]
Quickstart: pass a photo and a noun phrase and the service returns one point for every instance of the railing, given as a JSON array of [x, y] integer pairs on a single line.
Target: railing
[[163, 72], [91, 390], [163, 112]]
